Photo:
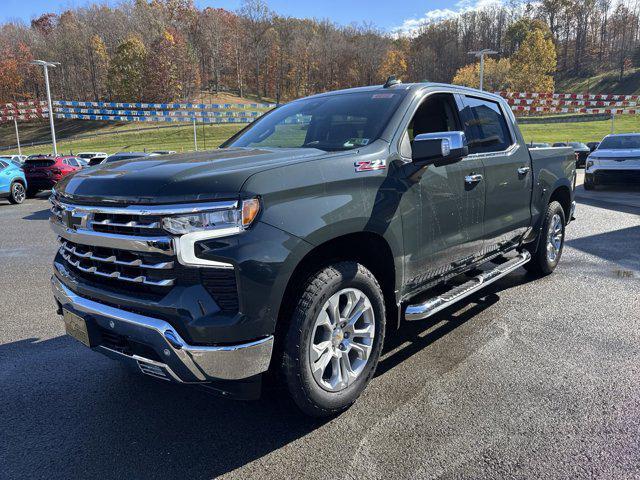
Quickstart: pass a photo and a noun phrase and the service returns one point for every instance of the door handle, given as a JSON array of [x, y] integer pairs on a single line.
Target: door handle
[[473, 178], [523, 170]]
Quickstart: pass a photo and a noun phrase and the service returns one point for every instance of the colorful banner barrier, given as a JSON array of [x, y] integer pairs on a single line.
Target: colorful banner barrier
[[133, 118], [164, 106], [158, 113]]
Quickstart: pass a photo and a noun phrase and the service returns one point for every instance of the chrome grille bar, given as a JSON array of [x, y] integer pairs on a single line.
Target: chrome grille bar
[[113, 259], [131, 224], [116, 274]]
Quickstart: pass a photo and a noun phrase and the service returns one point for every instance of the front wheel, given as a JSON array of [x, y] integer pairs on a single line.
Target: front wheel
[[335, 338], [17, 193], [551, 243]]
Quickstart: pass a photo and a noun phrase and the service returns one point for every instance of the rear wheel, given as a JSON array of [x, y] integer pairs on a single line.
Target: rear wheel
[[17, 193], [334, 340], [545, 259]]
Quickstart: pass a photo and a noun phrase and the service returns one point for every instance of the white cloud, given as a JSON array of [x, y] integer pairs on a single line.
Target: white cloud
[[411, 26]]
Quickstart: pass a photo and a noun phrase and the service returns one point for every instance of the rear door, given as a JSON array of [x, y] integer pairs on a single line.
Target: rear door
[[507, 171]]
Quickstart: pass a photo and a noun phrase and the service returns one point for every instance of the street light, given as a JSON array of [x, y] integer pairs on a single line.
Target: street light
[[481, 54], [46, 66]]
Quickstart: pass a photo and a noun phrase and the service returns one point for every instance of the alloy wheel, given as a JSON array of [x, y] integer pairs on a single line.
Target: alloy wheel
[[342, 339], [554, 238]]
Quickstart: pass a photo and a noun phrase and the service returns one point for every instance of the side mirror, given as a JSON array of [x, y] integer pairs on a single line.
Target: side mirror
[[440, 148]]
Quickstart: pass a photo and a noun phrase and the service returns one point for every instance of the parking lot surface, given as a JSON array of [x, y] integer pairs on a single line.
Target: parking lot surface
[[533, 378]]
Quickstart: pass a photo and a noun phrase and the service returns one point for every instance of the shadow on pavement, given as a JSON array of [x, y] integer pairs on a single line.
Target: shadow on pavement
[[39, 215], [612, 246], [73, 413]]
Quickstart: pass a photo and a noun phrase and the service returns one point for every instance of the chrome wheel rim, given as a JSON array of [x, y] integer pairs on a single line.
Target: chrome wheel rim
[[18, 192], [554, 238], [342, 339]]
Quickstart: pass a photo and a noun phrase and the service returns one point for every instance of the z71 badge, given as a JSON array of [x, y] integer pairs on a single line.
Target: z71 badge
[[369, 165]]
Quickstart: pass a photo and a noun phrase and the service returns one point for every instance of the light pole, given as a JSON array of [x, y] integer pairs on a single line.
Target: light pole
[[481, 54], [46, 66]]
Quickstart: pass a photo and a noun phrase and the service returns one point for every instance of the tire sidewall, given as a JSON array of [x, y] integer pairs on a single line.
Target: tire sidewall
[[349, 275], [554, 208], [12, 197]]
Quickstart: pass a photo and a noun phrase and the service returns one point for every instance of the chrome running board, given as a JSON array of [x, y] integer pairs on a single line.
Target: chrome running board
[[433, 305]]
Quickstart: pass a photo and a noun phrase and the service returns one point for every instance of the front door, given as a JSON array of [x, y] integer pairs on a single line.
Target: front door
[[442, 209], [507, 172]]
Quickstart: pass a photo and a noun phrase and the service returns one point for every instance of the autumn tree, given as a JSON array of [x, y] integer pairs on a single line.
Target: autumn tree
[[533, 64], [13, 66], [98, 64], [394, 63], [125, 77], [496, 75]]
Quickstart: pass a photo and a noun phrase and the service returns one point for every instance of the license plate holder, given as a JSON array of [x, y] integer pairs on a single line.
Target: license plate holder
[[76, 326]]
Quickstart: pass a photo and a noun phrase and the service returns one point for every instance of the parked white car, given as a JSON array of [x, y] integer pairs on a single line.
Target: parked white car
[[94, 158], [615, 161]]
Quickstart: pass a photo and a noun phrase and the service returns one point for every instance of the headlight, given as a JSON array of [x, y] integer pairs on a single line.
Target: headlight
[[589, 163], [219, 223]]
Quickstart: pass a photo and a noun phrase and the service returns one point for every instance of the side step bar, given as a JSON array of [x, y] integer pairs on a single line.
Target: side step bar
[[433, 305]]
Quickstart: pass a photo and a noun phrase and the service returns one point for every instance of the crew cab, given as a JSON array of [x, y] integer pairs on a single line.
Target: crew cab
[[616, 161], [295, 247], [43, 172]]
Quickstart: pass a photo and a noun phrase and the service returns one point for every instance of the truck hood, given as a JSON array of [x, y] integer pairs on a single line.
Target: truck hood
[[195, 176], [616, 153]]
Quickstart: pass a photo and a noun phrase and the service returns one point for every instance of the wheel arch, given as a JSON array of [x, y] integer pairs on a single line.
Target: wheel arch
[[368, 248], [562, 194]]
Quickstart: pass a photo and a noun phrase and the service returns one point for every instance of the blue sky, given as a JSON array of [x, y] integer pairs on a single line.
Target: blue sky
[[386, 14]]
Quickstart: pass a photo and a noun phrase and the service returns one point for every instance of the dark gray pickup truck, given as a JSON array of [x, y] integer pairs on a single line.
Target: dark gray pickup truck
[[294, 247]]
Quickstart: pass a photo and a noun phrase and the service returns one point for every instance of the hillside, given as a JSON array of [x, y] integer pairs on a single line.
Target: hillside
[[607, 82], [36, 131]]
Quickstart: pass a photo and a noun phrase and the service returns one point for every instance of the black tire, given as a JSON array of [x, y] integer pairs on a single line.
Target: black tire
[[589, 186], [306, 391], [32, 192], [17, 193], [541, 264]]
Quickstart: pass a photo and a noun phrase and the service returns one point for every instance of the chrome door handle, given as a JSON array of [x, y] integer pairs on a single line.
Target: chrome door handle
[[523, 170], [474, 178]]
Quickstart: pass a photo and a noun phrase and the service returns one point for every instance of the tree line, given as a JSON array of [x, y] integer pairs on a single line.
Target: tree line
[[162, 50]]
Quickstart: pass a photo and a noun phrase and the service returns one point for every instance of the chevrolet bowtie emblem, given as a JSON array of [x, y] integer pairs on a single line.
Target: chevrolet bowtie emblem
[[74, 218]]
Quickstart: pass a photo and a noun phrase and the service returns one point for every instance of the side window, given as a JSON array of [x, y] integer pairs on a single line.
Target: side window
[[485, 126], [3, 165], [436, 114]]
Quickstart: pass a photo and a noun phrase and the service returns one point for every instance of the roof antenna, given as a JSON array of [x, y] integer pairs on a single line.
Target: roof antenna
[[392, 80]]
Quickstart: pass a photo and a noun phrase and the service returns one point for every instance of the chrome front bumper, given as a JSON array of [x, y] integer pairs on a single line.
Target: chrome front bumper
[[180, 362]]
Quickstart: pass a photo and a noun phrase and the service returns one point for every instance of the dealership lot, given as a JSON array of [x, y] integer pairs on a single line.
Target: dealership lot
[[531, 379]]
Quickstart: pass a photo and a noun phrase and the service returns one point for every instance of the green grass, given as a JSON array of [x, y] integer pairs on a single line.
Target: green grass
[[607, 82], [579, 131], [181, 138]]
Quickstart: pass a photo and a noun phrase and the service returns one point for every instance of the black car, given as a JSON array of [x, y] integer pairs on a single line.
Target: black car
[[592, 145], [579, 148]]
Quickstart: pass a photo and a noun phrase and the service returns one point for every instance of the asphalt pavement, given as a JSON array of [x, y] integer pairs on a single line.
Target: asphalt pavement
[[531, 379]]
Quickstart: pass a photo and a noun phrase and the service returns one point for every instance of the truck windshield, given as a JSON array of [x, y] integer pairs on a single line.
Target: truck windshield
[[622, 142], [332, 123]]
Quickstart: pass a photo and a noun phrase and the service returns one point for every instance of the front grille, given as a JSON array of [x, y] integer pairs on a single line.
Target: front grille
[[127, 224], [140, 258], [119, 264]]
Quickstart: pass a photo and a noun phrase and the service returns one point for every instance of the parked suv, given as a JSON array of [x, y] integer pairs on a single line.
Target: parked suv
[[13, 184], [296, 246], [43, 172]]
